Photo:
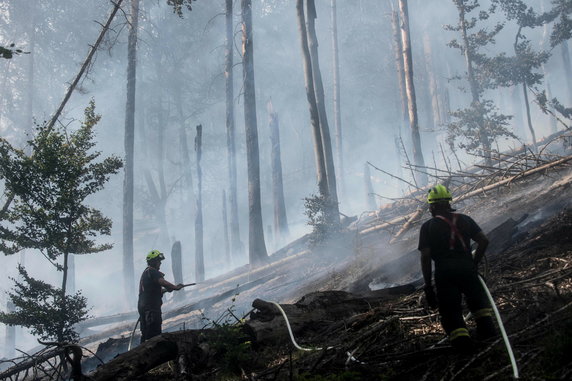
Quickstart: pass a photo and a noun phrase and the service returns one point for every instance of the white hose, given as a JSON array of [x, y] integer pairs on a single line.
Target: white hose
[[133, 334], [290, 331], [501, 326]]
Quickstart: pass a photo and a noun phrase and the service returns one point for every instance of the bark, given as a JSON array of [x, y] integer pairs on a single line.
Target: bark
[[236, 244], [177, 267], [516, 109], [320, 101], [199, 255], [256, 246], [71, 274], [528, 118], [280, 219], [410, 90], [433, 90], [30, 96], [129, 154], [227, 255], [337, 112], [398, 49], [311, 96], [369, 193]]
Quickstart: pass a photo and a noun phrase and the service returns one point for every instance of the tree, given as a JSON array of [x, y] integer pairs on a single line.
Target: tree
[[256, 245], [48, 212], [336, 85], [410, 91], [128, 271], [479, 123], [199, 255]]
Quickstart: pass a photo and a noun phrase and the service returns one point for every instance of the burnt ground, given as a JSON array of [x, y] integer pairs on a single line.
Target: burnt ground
[[529, 273]]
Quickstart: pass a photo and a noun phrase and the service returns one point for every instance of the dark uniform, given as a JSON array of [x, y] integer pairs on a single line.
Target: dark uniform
[[149, 303], [448, 237]]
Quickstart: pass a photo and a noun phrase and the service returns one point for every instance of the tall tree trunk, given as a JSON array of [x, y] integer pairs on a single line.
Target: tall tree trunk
[[71, 274], [410, 89], [433, 90], [567, 67], [337, 111], [516, 109], [320, 101], [280, 219], [10, 341], [199, 255], [545, 45], [398, 49], [369, 193], [528, 118], [227, 255], [129, 154], [236, 244], [177, 267], [483, 137], [256, 246], [29, 128], [63, 306], [311, 95]]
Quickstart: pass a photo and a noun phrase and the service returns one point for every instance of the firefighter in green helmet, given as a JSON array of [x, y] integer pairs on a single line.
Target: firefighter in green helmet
[[151, 287], [445, 240]]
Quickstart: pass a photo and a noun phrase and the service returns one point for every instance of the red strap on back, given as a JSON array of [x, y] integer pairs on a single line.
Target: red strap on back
[[455, 233]]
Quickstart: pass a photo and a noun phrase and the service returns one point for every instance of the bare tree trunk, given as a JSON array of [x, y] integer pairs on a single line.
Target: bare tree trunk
[[320, 101], [337, 112], [256, 246], [71, 274], [528, 118], [10, 341], [177, 267], [199, 255], [410, 89], [398, 49], [227, 255], [129, 154], [369, 193], [236, 244], [29, 128], [311, 95], [280, 219], [433, 90]]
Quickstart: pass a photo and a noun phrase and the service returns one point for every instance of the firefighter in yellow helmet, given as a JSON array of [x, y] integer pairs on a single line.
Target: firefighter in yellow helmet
[[151, 287], [445, 239]]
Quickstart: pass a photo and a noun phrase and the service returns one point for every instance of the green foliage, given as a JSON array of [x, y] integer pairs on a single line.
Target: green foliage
[[50, 187], [318, 209], [48, 213], [469, 124], [562, 28], [38, 307], [179, 4]]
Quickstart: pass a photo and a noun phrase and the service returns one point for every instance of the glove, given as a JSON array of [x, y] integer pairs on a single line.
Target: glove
[[430, 297]]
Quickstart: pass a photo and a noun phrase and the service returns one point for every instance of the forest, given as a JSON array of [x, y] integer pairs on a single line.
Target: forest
[[270, 149]]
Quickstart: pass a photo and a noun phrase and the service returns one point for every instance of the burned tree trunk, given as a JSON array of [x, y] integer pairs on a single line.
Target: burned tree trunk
[[227, 255], [410, 90], [128, 271], [199, 256], [280, 219], [369, 193], [177, 267], [567, 67], [398, 51], [311, 95], [320, 102], [433, 90], [235, 243], [256, 245], [337, 112]]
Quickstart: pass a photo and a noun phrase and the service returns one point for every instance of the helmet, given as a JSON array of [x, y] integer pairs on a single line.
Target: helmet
[[439, 193], [155, 254]]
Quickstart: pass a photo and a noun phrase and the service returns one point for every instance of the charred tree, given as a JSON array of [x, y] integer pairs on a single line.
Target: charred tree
[[410, 90], [227, 255], [236, 244], [567, 67], [398, 51], [280, 219], [129, 154], [433, 90], [369, 193], [337, 109], [177, 267], [320, 102], [199, 255], [256, 246]]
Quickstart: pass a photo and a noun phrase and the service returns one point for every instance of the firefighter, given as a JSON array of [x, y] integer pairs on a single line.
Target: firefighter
[[151, 287], [445, 240]]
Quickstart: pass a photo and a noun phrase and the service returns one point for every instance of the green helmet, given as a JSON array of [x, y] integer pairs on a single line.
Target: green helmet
[[155, 254], [439, 193]]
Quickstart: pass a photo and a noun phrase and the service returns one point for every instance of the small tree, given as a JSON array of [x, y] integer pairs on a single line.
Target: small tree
[[49, 214]]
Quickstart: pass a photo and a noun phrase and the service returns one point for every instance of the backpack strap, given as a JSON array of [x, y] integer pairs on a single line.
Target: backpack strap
[[455, 233]]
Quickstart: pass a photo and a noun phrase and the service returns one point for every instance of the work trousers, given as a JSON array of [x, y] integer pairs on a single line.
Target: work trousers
[[150, 322]]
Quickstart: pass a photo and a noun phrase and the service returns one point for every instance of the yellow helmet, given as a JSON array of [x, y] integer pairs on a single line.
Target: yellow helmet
[[439, 193], [155, 254]]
